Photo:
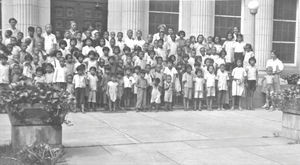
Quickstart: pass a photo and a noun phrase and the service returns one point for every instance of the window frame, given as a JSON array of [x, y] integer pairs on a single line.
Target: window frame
[[294, 64], [228, 16], [166, 12]]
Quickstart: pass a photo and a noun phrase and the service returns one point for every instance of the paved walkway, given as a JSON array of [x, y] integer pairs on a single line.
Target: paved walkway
[[174, 138]]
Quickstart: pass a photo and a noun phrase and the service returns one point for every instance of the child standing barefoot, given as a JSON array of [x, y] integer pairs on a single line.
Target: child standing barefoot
[[141, 85], [187, 81], [239, 74], [120, 90], [252, 79], [269, 81], [222, 78], [168, 98], [112, 91], [79, 82], [155, 94], [93, 81], [210, 78], [199, 83]]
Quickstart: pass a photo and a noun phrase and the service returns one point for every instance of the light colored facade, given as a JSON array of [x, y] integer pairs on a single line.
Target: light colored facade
[[274, 28]]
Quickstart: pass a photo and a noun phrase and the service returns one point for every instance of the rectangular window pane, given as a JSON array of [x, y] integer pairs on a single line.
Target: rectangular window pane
[[284, 31], [228, 7], [285, 9], [285, 52], [155, 19], [164, 5], [223, 25]]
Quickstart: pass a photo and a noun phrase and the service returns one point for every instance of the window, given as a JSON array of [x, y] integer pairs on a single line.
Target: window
[[163, 12], [227, 16], [284, 29]]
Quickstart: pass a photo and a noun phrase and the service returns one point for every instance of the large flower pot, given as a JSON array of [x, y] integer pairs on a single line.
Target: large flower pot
[[32, 126], [291, 123]]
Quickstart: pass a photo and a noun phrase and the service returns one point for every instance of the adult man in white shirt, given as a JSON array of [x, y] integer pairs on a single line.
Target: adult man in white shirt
[[277, 66], [13, 22], [129, 40], [139, 41], [50, 39]]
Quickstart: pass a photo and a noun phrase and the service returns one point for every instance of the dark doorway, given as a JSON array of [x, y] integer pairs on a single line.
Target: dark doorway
[[84, 12]]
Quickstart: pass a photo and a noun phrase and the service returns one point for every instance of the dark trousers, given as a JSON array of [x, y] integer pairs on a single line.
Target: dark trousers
[[80, 96]]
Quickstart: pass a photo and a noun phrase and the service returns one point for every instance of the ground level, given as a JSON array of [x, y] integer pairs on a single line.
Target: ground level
[[178, 137]]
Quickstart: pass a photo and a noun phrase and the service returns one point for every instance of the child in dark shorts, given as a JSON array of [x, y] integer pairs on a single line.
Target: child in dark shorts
[[252, 77]]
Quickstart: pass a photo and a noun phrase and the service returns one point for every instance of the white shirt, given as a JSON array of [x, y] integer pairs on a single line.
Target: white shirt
[[199, 82], [128, 81], [121, 44], [93, 80], [129, 42], [172, 47], [60, 74], [239, 73], [222, 78], [229, 48], [49, 78], [162, 53], [275, 64], [139, 43], [251, 72], [210, 79], [248, 55], [239, 47], [171, 72], [99, 50], [87, 49], [49, 42], [4, 74], [198, 46], [79, 81]]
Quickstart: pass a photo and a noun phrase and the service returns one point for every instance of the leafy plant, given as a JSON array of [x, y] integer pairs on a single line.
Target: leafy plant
[[287, 99], [40, 154], [54, 101], [292, 78]]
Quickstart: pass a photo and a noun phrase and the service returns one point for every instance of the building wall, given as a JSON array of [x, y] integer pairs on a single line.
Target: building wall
[[195, 17]]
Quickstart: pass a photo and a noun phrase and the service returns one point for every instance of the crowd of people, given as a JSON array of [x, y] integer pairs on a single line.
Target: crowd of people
[[153, 72]]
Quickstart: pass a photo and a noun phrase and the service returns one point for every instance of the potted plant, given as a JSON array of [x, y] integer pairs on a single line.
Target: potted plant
[[291, 78], [36, 113], [288, 101]]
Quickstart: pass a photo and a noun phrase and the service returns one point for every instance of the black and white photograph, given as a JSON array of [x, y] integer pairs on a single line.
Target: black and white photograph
[[149, 82]]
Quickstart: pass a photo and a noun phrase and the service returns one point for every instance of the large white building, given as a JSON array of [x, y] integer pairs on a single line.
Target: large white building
[[277, 24]]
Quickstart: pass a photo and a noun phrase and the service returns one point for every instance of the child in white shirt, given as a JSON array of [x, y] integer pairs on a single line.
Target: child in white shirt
[[222, 77], [239, 74], [93, 80], [60, 74], [252, 79], [210, 78], [89, 47], [199, 82]]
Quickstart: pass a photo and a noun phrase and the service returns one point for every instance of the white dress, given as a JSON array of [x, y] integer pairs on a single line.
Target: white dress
[[155, 95], [112, 90], [222, 78], [238, 86]]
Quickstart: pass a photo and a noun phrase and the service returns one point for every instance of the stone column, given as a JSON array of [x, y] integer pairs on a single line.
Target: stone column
[[27, 14], [135, 15], [114, 16], [184, 14], [202, 17], [297, 57], [263, 30]]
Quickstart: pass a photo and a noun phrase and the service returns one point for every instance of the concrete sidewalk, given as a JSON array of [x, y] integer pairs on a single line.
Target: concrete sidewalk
[[178, 137]]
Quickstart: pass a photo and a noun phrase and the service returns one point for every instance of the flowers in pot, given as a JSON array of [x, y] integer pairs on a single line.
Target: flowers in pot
[[50, 105], [291, 78], [287, 99]]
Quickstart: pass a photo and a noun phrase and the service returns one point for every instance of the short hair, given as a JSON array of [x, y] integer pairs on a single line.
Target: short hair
[[93, 68], [252, 59], [157, 80], [126, 48], [68, 55], [12, 19], [28, 57], [188, 66], [63, 42], [73, 39], [39, 69], [105, 49], [2, 56], [9, 32], [198, 70], [181, 32], [31, 29], [80, 68]]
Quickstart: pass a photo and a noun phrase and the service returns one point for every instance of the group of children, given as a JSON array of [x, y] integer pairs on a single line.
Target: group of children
[[102, 69]]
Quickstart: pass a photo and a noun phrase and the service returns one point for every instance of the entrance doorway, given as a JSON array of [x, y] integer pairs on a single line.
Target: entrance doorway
[[83, 12]]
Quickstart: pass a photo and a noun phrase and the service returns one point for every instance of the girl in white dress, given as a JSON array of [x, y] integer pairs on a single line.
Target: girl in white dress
[[112, 91], [222, 77], [239, 74], [248, 54]]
